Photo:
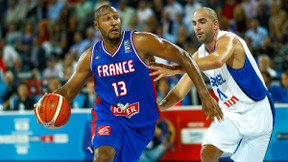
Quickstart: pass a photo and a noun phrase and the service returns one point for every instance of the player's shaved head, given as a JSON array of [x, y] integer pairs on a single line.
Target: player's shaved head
[[101, 10], [211, 13]]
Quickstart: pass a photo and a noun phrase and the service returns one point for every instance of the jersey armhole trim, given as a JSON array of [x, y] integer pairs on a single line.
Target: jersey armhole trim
[[91, 57], [135, 51]]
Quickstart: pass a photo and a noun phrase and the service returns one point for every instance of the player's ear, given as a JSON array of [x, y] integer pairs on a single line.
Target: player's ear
[[96, 25], [216, 24]]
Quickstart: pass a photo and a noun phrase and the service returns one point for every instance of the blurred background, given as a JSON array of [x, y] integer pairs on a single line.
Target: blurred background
[[42, 40]]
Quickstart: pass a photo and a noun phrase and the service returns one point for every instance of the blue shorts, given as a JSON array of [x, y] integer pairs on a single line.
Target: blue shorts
[[129, 143]]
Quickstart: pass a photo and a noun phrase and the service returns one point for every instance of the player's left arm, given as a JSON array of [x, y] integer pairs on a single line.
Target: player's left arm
[[149, 44]]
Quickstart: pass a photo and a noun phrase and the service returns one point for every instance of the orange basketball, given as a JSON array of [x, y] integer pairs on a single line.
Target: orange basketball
[[53, 111]]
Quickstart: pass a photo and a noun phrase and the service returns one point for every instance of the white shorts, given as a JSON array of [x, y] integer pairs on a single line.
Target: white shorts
[[252, 130]]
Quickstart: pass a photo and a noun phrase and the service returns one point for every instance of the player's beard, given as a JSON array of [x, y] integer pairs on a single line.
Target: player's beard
[[207, 36], [107, 37]]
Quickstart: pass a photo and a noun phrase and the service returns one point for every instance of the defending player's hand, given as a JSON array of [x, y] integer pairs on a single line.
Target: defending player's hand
[[211, 108], [162, 70]]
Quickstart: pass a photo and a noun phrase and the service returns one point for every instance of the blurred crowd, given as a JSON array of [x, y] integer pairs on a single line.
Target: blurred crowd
[[41, 41]]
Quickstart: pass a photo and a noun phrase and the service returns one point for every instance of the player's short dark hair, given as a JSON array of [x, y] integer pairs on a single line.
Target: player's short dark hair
[[211, 12], [99, 10]]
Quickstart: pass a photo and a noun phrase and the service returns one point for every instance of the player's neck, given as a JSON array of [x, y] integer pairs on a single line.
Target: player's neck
[[111, 45], [211, 46]]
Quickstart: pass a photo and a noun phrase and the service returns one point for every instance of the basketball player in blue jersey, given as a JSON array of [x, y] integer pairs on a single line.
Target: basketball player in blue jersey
[[236, 80], [126, 110]]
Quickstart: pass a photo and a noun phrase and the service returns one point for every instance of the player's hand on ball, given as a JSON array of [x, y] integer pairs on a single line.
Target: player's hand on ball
[[52, 111], [35, 107]]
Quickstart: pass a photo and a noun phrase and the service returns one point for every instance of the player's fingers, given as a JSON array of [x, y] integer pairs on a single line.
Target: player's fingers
[[153, 67], [158, 77], [205, 113], [221, 115], [212, 117], [218, 116], [154, 73]]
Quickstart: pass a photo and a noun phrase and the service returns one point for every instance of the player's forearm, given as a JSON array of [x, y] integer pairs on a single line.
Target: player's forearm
[[212, 62], [178, 93], [170, 100], [194, 73], [66, 92]]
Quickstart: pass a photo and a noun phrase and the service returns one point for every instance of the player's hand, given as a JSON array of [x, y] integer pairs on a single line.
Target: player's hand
[[35, 107], [211, 108], [162, 70]]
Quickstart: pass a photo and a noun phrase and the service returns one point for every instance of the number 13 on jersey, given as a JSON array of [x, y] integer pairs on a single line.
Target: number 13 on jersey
[[120, 87]]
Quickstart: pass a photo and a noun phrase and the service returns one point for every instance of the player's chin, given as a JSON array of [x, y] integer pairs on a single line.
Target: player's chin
[[201, 39]]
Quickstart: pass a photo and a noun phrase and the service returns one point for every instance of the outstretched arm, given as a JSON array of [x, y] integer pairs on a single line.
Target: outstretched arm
[[77, 80], [149, 44]]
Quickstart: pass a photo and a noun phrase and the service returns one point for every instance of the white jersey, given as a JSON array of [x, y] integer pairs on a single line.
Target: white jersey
[[236, 88]]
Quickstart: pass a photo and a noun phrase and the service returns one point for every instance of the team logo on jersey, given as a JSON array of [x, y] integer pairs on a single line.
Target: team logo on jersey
[[217, 81], [127, 46], [104, 130], [127, 110], [97, 57]]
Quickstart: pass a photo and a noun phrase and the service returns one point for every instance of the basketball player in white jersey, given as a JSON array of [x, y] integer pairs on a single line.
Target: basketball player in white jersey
[[234, 76]]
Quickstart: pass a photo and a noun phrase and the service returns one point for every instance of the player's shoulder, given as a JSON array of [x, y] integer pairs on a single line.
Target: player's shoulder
[[143, 36], [145, 40], [224, 35], [86, 55]]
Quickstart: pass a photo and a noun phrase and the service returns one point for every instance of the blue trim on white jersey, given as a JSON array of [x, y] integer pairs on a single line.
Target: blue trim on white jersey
[[248, 81], [272, 106]]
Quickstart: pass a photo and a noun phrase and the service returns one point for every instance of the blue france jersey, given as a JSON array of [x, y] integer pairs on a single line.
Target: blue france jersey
[[122, 81]]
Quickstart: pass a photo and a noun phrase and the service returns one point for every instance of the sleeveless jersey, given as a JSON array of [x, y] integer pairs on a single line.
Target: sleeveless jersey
[[122, 81], [236, 88]]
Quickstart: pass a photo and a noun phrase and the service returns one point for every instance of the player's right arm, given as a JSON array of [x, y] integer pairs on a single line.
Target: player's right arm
[[162, 70], [178, 93], [73, 86]]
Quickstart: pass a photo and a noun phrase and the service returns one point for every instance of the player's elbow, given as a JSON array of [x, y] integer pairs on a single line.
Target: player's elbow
[[179, 95], [218, 63]]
